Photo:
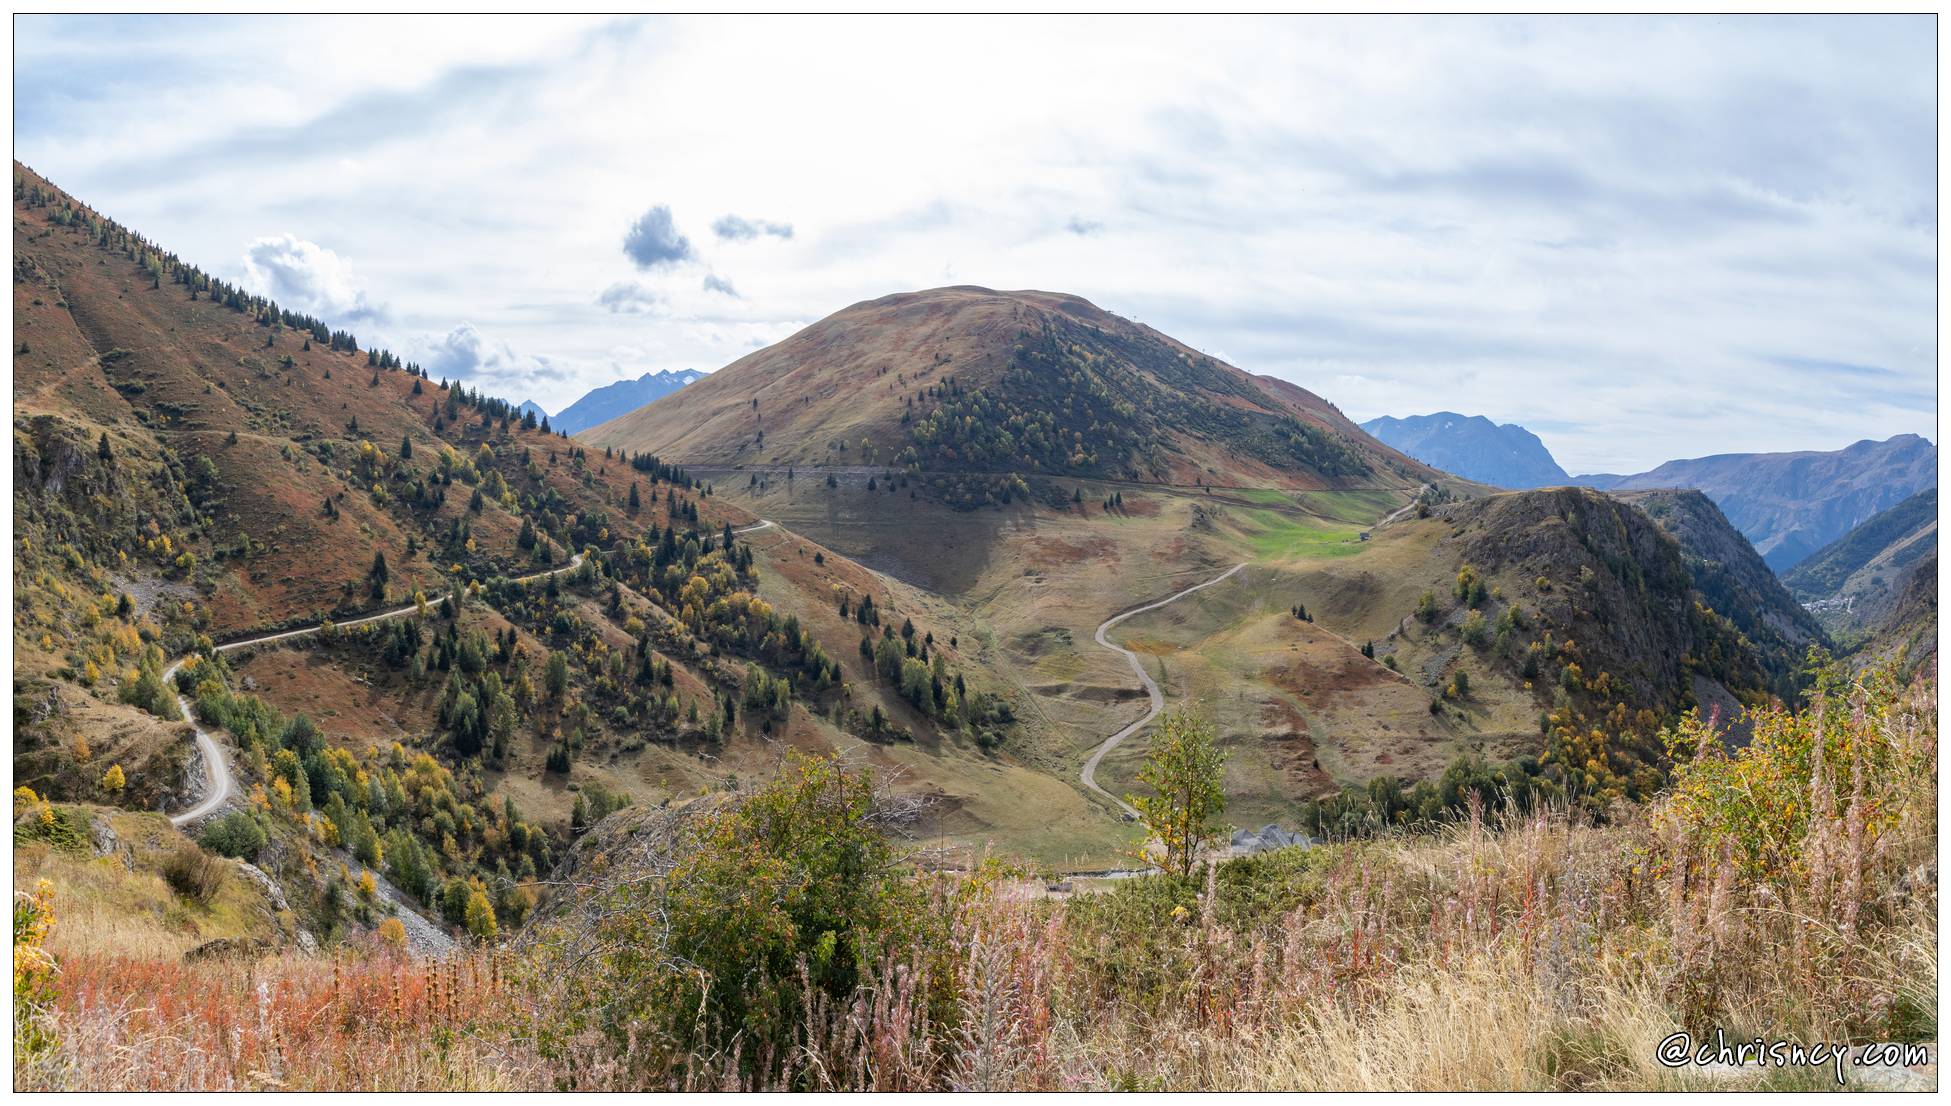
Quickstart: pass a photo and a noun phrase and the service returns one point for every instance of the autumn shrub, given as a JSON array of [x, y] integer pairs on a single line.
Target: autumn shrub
[[63, 827], [392, 934], [34, 973], [1799, 860], [740, 926], [195, 874]]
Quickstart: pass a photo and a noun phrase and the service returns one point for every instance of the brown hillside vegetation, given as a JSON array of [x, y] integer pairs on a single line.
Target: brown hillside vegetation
[[765, 941], [963, 388], [195, 464]]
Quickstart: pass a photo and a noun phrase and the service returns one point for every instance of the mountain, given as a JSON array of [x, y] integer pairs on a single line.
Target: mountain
[[1732, 578], [977, 393], [1855, 583], [530, 407], [195, 465], [1792, 504], [1473, 447], [1908, 627], [1570, 612], [601, 405]]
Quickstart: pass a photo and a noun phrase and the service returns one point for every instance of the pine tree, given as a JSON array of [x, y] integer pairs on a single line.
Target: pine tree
[[376, 577]]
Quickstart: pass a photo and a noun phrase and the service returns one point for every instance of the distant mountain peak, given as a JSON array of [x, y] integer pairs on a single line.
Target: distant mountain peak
[[602, 404], [1473, 447], [1792, 504]]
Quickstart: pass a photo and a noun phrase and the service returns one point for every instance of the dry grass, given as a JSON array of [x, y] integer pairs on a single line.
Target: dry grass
[[368, 1023], [1537, 953]]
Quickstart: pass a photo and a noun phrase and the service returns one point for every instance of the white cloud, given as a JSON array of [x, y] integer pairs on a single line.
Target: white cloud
[[307, 277], [737, 227], [654, 240], [1614, 231], [490, 364], [627, 297]]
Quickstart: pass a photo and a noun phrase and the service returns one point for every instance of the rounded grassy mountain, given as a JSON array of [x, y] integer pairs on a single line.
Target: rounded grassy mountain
[[970, 389]]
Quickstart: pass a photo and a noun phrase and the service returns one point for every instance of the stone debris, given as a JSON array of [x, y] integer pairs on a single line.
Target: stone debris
[[1270, 836]]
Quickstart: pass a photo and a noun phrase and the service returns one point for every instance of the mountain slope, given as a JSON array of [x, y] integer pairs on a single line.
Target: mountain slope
[[1791, 504], [1559, 622], [975, 393], [1890, 537], [602, 404], [195, 464], [1732, 577], [1473, 447], [1855, 583], [1908, 627]]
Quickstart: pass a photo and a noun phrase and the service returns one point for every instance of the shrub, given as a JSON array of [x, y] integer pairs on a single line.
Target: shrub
[[748, 919], [234, 835], [34, 971], [64, 827], [195, 874], [392, 934], [1426, 606], [480, 916], [1805, 784]]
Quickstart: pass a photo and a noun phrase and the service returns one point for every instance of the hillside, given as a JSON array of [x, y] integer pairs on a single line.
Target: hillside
[[976, 394], [1574, 616], [1890, 537], [1907, 629], [1473, 447], [1733, 579], [610, 401], [194, 464], [1791, 504], [1875, 589], [258, 476]]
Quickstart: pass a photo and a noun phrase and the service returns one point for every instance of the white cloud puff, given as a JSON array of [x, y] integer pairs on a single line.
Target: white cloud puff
[[306, 276]]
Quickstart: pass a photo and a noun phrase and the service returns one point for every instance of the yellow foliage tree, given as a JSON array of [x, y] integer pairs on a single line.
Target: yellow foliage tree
[[392, 933]]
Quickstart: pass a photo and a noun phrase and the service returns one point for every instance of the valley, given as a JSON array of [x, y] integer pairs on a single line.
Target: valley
[[985, 550], [684, 554], [1074, 521]]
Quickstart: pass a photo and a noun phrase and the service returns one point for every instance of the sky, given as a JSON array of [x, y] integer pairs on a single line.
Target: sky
[[1640, 238]]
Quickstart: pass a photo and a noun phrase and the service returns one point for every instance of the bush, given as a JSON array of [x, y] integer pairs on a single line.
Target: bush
[[1185, 770], [234, 835], [34, 973], [1784, 804], [195, 874], [1426, 606], [64, 827], [750, 918], [392, 934]]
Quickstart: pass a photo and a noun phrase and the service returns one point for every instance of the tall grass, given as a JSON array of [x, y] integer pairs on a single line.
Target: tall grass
[[1786, 889]]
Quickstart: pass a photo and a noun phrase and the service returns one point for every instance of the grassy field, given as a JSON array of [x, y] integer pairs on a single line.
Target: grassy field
[[1037, 582], [1278, 536]]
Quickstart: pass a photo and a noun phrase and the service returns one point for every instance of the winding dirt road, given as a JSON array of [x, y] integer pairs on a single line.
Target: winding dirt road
[[1089, 775], [219, 783]]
